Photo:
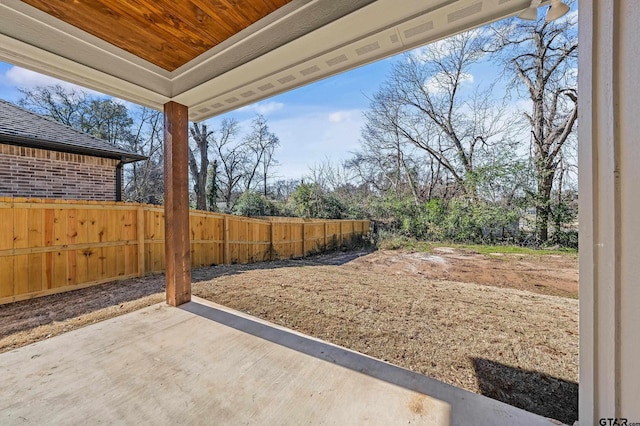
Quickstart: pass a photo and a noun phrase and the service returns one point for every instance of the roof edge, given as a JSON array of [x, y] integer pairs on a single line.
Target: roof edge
[[62, 147]]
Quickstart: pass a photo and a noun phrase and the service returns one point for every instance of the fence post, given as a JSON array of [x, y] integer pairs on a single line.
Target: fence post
[[353, 231], [325, 236], [226, 258], [273, 237], [140, 228], [304, 243], [341, 236]]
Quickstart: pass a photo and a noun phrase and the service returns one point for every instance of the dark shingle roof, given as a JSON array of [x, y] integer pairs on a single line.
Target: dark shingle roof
[[19, 126]]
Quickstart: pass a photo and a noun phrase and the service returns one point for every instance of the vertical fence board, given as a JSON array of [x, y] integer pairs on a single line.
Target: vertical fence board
[[20, 240], [120, 223], [6, 243], [49, 246], [6, 278], [148, 246], [82, 260], [35, 240], [60, 260], [93, 254], [227, 248], [139, 263], [72, 238]]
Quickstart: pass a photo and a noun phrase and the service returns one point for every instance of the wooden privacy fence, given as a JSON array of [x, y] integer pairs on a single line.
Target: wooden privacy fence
[[51, 246]]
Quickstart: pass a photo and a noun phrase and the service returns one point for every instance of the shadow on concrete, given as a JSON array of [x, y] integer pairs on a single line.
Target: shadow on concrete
[[543, 394], [466, 407]]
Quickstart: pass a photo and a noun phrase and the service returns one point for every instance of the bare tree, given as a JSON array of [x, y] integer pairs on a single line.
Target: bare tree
[[260, 145], [212, 187], [329, 175], [423, 103], [145, 179], [231, 161], [541, 57], [105, 118], [139, 130], [386, 160], [283, 188], [63, 105], [199, 169]]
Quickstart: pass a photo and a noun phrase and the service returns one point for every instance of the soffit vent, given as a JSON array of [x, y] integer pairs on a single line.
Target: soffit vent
[[463, 13], [266, 87], [411, 32], [368, 48], [310, 70], [337, 60], [287, 79]]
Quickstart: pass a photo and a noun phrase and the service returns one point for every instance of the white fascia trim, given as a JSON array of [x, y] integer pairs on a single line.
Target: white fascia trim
[[373, 32], [36, 59], [369, 34]]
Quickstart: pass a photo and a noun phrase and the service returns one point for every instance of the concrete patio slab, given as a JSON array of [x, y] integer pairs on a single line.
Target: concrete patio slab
[[206, 364]]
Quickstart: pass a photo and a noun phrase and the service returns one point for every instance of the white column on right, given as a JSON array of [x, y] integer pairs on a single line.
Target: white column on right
[[609, 159]]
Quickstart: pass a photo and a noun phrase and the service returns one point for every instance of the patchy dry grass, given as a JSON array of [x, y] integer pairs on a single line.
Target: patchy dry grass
[[513, 345]]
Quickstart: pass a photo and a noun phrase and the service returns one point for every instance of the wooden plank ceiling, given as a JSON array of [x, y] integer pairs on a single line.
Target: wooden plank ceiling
[[167, 33]]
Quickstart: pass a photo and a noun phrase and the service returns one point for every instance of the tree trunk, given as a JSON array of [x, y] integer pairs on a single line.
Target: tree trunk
[[212, 190], [543, 207], [264, 181]]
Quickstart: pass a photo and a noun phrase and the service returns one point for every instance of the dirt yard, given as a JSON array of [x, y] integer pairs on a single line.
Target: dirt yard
[[505, 326]]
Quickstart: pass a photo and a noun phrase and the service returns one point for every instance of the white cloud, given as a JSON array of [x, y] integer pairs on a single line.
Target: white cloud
[[263, 108], [340, 116], [314, 135], [308, 135], [27, 79]]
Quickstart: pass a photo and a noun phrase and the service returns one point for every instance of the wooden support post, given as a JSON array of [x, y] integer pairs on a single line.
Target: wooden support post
[[341, 236], [176, 204], [140, 228], [225, 241], [304, 241], [273, 244]]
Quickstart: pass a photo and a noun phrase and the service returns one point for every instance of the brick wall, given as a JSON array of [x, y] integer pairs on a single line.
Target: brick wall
[[39, 173]]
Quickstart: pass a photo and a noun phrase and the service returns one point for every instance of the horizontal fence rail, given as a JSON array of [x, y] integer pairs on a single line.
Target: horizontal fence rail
[[52, 246]]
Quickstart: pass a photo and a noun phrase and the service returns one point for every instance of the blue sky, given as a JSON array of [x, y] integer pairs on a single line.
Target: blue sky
[[318, 121], [314, 123]]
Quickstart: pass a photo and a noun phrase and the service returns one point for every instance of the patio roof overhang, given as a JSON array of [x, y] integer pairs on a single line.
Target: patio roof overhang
[[217, 56]]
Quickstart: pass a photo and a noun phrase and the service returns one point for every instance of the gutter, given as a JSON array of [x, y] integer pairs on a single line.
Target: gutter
[[123, 156]]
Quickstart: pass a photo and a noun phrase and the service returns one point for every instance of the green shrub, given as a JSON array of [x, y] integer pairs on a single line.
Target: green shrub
[[252, 203]]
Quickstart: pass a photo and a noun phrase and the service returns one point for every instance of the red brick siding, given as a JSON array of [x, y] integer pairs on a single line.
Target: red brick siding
[[39, 173]]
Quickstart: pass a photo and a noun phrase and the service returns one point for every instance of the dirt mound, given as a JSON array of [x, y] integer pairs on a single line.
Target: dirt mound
[[544, 274]]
